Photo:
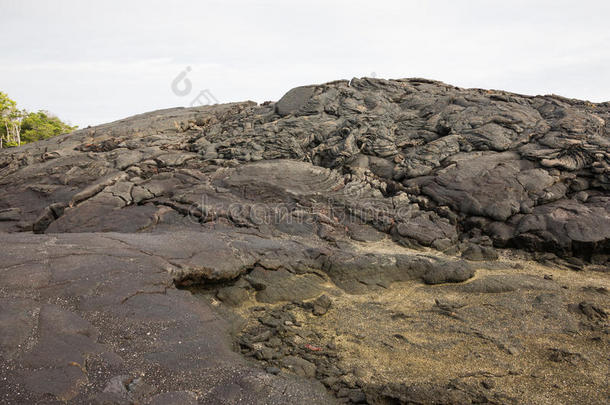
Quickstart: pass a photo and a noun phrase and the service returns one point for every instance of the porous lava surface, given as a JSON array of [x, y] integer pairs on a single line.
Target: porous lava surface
[[365, 241]]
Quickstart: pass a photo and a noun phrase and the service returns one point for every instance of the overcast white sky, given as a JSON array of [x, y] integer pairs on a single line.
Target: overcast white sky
[[93, 62]]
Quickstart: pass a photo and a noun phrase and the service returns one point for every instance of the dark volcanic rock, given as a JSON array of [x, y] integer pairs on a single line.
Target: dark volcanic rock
[[478, 252], [448, 273], [536, 168], [274, 216], [294, 100]]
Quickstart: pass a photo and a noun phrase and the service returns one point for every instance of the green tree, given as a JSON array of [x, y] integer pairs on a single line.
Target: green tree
[[19, 126], [9, 121], [36, 126]]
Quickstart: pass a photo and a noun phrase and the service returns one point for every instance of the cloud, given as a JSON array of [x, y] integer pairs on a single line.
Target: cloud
[[94, 62]]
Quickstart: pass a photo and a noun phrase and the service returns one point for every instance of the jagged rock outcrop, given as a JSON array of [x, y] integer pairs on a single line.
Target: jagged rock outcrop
[[526, 172], [322, 209]]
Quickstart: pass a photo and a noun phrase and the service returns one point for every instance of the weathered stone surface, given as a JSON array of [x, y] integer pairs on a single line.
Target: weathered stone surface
[[448, 273], [299, 366], [152, 334], [174, 398], [294, 100], [289, 252], [474, 153], [281, 285]]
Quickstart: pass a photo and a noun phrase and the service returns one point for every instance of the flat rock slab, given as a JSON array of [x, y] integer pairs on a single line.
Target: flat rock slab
[[86, 321]]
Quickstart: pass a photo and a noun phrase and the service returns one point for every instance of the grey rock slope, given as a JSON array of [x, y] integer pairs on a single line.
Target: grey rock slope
[[527, 172], [280, 217]]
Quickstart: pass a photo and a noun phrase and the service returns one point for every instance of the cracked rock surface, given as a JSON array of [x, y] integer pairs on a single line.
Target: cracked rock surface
[[363, 241]]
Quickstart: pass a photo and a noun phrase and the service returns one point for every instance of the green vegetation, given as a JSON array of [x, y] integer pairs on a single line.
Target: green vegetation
[[18, 127]]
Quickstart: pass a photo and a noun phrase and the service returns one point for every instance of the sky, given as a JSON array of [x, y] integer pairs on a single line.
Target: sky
[[94, 62]]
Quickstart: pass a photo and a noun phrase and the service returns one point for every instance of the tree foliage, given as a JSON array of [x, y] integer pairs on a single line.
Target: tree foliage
[[36, 126], [20, 126], [10, 118]]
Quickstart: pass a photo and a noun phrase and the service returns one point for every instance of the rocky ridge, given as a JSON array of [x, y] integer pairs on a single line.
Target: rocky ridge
[[438, 214]]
